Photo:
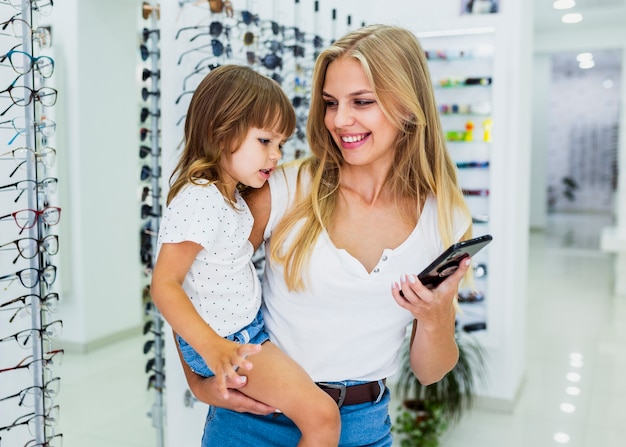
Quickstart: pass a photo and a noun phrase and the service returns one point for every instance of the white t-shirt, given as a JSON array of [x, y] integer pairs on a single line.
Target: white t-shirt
[[346, 324], [222, 282]]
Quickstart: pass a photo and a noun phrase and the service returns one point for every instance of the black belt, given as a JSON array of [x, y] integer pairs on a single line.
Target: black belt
[[355, 394]]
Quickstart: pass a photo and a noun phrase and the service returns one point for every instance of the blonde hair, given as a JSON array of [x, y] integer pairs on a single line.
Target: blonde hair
[[396, 67], [229, 101]]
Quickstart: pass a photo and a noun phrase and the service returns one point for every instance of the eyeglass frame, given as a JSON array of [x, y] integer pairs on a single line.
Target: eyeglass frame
[[44, 360], [41, 247], [34, 62], [26, 334], [52, 297], [49, 183], [41, 274], [38, 214]]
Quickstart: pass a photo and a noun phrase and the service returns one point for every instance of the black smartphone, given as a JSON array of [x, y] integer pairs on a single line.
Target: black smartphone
[[450, 260]]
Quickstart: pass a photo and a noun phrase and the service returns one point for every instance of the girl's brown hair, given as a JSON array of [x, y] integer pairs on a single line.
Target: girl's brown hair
[[229, 101]]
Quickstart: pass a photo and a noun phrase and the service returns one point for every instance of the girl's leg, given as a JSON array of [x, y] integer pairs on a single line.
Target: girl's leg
[[277, 380]]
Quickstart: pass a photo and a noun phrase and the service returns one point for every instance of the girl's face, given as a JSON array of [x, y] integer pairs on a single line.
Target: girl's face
[[354, 118], [256, 158]]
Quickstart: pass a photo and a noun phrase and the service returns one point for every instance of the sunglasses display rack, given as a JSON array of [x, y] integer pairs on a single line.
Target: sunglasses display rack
[[462, 72], [149, 153], [28, 215], [209, 34]]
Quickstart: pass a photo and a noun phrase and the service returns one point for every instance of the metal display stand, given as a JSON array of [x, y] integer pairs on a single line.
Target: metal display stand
[[36, 217], [151, 171]]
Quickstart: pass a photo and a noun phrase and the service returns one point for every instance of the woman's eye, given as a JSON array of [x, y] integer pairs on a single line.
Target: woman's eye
[[331, 104], [364, 102]]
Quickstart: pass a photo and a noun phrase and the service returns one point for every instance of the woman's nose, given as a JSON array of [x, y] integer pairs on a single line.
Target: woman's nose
[[343, 115]]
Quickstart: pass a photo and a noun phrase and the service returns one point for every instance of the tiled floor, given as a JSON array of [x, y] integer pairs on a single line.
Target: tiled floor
[[104, 402]]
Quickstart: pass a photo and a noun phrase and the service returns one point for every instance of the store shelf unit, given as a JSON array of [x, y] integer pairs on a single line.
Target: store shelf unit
[[151, 205], [462, 71], [28, 215]]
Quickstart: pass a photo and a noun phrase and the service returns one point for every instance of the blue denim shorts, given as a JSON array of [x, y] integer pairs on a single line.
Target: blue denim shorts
[[253, 333], [366, 424]]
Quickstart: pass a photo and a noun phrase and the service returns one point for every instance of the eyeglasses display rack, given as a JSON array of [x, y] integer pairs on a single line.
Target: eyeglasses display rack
[[28, 214], [149, 153]]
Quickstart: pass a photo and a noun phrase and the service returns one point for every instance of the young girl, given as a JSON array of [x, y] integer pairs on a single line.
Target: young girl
[[204, 283]]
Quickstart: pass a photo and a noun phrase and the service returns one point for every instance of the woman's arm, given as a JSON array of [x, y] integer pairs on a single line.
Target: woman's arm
[[206, 390], [434, 351]]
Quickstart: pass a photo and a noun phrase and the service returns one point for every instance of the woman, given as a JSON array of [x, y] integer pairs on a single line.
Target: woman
[[346, 232]]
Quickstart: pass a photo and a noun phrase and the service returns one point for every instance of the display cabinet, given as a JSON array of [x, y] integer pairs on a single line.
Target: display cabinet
[[462, 71]]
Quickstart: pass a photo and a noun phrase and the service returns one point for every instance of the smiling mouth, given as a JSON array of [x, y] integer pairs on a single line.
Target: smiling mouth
[[353, 138], [266, 171]]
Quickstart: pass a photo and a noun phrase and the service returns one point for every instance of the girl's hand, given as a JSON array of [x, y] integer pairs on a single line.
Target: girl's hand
[[430, 307], [224, 359]]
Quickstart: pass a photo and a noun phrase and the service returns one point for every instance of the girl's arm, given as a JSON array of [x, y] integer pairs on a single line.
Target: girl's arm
[[434, 351], [172, 265], [205, 390]]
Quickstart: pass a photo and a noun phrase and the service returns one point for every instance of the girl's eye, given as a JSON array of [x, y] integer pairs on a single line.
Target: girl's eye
[[264, 141]]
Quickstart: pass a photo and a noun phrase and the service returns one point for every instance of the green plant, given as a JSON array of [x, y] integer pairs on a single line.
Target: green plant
[[420, 427], [428, 411]]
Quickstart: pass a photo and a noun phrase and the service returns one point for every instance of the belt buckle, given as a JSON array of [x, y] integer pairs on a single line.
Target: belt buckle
[[342, 391]]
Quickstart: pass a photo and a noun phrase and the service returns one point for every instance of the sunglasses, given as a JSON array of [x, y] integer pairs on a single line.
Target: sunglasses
[[147, 172], [147, 74], [147, 10], [143, 133], [272, 61], [217, 48], [476, 192], [146, 211], [146, 33], [145, 52], [145, 113]]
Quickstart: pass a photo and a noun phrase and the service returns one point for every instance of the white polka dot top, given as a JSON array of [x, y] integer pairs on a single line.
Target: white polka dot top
[[222, 282]]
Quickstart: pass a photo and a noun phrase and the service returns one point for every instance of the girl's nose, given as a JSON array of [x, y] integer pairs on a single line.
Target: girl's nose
[[275, 153]]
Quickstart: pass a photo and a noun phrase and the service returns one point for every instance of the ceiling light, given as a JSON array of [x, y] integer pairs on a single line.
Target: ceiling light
[[572, 390], [564, 4], [567, 407], [586, 64], [573, 377], [561, 438], [574, 17], [580, 58]]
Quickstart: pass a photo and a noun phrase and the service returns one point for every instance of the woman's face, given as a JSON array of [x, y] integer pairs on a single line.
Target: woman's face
[[354, 118]]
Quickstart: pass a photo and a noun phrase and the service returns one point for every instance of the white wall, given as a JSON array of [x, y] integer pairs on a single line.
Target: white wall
[[95, 44]]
